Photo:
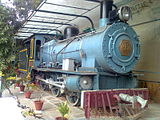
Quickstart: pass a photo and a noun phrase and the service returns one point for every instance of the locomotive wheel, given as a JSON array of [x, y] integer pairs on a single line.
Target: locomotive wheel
[[73, 98], [44, 86], [41, 85], [56, 91]]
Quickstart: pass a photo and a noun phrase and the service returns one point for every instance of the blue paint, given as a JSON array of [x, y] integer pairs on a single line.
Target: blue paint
[[103, 22], [72, 83], [47, 54], [112, 82], [42, 39]]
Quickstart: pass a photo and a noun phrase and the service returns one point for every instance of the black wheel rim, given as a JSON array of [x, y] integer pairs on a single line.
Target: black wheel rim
[[41, 85], [73, 99], [56, 91]]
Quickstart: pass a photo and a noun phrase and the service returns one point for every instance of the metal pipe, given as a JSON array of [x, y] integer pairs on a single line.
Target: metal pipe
[[63, 49], [68, 14], [48, 26], [20, 36], [66, 6], [146, 22], [52, 18], [43, 29], [50, 22], [33, 33], [105, 8]]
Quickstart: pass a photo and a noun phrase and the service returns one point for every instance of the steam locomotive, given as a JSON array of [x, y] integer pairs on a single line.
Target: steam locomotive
[[101, 59]]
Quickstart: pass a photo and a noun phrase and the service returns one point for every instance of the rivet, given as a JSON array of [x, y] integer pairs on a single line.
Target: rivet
[[109, 35], [109, 56], [135, 36], [124, 28], [123, 68]]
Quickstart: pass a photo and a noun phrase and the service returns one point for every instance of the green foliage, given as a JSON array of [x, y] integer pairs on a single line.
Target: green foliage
[[19, 11], [24, 7], [6, 41], [5, 85], [11, 19], [31, 86], [64, 109]]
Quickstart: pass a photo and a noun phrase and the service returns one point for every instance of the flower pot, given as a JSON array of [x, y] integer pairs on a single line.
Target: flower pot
[[22, 88], [27, 94], [38, 104], [16, 85], [61, 118], [37, 83]]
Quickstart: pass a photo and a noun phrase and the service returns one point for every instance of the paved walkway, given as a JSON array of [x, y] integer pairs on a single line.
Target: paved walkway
[[49, 111]]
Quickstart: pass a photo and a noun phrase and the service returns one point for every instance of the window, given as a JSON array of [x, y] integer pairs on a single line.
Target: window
[[38, 46]]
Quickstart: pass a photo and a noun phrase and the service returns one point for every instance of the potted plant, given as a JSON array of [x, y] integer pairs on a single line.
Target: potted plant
[[17, 81], [14, 80], [30, 87], [23, 80], [16, 84], [64, 110], [38, 103], [21, 86]]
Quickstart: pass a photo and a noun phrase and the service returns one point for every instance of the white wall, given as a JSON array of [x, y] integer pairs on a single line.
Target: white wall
[[149, 35]]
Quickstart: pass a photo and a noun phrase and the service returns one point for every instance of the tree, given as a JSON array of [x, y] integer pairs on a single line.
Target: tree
[[6, 44], [10, 21], [6, 38], [20, 11], [25, 7]]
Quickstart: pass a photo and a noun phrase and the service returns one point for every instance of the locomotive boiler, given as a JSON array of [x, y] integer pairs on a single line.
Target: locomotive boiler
[[98, 60]]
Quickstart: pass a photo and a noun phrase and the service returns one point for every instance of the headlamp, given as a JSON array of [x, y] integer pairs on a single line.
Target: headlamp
[[124, 13]]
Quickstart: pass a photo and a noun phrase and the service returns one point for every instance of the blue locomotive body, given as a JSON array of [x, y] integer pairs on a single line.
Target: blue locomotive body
[[98, 60], [101, 49], [111, 52]]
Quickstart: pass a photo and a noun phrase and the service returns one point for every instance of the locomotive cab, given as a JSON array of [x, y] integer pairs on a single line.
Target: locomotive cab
[[29, 57]]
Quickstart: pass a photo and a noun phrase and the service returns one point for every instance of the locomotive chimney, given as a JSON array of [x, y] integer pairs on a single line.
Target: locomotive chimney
[[105, 8]]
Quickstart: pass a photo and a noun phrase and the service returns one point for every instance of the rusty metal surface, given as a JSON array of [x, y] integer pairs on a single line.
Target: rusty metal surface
[[125, 48], [103, 103]]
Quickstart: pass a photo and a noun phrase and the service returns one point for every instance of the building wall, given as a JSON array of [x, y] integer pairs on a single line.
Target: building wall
[[149, 35]]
